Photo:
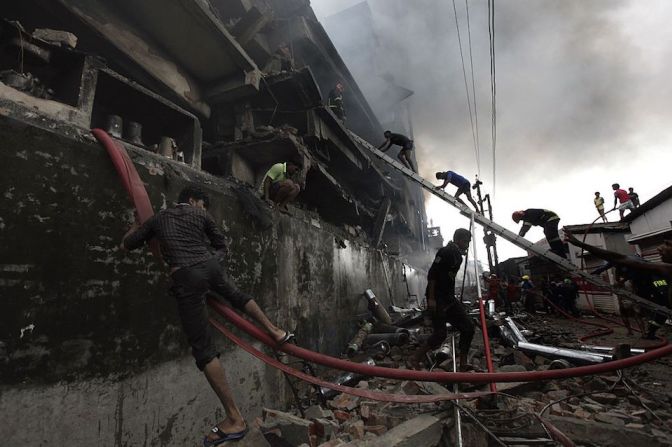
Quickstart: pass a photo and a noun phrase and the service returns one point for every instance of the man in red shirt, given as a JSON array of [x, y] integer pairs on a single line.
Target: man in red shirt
[[621, 195]]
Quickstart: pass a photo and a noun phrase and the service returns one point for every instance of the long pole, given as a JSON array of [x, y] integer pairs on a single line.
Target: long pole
[[481, 306], [458, 418]]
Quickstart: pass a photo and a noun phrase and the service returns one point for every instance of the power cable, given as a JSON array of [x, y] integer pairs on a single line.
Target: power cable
[[493, 90], [473, 90], [466, 89]]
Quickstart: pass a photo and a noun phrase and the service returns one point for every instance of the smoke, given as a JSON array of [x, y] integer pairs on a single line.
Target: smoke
[[582, 92]]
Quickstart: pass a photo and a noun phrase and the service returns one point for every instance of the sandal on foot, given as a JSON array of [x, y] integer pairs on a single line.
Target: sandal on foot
[[286, 338], [223, 437]]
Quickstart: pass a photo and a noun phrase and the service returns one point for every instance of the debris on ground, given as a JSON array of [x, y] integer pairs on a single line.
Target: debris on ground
[[603, 410]]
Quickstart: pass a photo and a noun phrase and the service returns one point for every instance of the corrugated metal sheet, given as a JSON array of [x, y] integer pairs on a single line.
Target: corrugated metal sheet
[[602, 302], [650, 253]]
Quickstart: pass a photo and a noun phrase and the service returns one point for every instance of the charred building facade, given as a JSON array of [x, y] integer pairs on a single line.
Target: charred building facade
[[205, 92]]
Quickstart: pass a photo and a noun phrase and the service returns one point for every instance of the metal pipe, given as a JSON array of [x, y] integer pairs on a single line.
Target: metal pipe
[[609, 349], [458, 420], [358, 340], [400, 338], [516, 331], [349, 378], [506, 331], [382, 328], [561, 352], [378, 350], [375, 307]]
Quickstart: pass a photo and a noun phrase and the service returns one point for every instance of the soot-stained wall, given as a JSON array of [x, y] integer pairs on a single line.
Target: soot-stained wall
[[91, 350]]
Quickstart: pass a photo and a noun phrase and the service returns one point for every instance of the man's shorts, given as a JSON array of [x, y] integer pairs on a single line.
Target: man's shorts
[[189, 286], [464, 189], [408, 147], [626, 206]]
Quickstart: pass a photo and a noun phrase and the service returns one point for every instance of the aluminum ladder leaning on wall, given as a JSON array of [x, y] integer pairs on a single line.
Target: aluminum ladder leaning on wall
[[510, 236]]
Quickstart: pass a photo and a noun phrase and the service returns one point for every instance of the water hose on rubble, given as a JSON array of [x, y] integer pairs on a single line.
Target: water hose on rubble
[[136, 189], [367, 394], [426, 376]]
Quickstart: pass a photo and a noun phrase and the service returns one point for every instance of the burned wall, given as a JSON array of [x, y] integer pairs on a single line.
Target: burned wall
[[90, 344]]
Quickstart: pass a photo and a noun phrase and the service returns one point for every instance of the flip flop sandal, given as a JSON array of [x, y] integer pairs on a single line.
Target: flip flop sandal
[[286, 339], [223, 437]]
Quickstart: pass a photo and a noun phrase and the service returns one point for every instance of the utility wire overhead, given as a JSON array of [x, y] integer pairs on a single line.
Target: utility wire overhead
[[473, 90], [466, 89], [493, 90]]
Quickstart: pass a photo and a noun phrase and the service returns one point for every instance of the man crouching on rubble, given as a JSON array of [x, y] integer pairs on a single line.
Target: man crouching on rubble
[[182, 231], [441, 302]]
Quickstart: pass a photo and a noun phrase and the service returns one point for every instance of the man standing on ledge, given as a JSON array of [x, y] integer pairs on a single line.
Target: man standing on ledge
[[194, 271], [406, 147], [463, 185], [543, 218], [441, 302]]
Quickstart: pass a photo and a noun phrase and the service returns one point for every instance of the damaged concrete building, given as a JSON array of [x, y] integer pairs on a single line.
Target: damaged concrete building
[[213, 93], [197, 92]]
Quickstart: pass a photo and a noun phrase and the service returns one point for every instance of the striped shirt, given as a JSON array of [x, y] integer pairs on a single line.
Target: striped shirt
[[186, 234]]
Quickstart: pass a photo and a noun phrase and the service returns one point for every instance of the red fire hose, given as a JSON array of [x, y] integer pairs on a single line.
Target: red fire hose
[[426, 376], [136, 189], [130, 179], [486, 342], [367, 394]]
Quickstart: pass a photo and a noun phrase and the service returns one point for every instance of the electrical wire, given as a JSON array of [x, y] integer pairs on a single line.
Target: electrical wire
[[466, 89], [473, 91], [493, 90]]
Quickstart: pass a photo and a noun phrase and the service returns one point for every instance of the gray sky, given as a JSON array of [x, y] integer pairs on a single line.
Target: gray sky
[[583, 98]]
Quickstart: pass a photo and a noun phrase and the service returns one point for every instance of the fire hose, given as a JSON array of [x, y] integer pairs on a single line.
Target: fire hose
[[426, 376], [135, 188], [367, 394]]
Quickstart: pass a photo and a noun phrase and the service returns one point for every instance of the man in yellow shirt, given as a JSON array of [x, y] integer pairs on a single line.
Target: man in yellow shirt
[[278, 185], [599, 204]]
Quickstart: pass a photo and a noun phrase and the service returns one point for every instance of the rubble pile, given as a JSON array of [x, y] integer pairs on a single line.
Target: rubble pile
[[608, 408]]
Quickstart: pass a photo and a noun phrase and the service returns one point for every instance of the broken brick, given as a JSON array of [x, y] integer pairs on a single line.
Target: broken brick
[[375, 429]]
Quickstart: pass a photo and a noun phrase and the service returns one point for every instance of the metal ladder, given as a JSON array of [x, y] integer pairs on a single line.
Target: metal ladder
[[510, 236]]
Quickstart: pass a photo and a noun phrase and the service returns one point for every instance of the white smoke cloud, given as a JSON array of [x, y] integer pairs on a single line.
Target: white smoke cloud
[[582, 93]]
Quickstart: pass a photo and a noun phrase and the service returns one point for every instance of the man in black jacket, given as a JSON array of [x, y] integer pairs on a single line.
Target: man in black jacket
[[442, 305], [543, 218], [182, 232]]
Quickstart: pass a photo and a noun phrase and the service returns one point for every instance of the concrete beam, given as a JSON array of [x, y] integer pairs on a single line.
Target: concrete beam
[[249, 25], [236, 87]]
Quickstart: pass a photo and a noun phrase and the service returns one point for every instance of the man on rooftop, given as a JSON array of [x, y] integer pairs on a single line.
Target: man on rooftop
[[620, 195], [599, 205]]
